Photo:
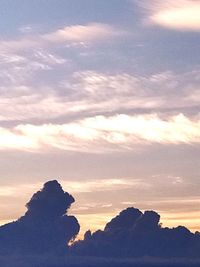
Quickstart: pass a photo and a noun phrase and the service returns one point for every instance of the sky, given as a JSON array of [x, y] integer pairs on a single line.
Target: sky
[[104, 97]]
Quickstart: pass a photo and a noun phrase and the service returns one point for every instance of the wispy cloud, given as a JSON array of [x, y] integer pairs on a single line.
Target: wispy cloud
[[78, 34], [79, 186], [83, 33], [102, 185], [89, 93], [100, 134]]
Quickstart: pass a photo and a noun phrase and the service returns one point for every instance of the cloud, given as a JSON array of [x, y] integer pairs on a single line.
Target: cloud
[[124, 220], [136, 234], [68, 35], [26, 29], [76, 187], [181, 15], [103, 185], [83, 33], [87, 93], [83, 209], [133, 93], [101, 134], [45, 226], [18, 70], [100, 199], [84, 92]]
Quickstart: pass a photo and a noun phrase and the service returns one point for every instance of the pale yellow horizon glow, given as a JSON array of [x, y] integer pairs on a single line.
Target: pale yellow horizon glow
[[92, 219], [97, 221]]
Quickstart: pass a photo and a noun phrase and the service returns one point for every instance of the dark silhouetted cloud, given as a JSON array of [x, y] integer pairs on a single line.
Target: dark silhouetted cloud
[[45, 226], [46, 229], [136, 234]]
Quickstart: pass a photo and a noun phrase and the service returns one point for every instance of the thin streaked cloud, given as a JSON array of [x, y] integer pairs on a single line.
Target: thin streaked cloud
[[84, 33], [101, 134], [91, 93], [70, 34]]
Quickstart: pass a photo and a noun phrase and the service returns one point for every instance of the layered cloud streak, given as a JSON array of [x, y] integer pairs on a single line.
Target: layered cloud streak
[[90, 110], [102, 133], [93, 93]]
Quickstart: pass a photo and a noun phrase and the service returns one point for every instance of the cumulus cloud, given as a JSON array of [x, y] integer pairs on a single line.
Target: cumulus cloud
[[124, 220], [104, 192], [182, 15], [45, 226], [136, 234], [81, 189]]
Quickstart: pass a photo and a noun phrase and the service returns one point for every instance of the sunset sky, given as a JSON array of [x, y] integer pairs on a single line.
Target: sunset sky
[[103, 95]]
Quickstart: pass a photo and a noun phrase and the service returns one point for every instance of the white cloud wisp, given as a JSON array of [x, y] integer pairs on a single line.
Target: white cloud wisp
[[100, 133]]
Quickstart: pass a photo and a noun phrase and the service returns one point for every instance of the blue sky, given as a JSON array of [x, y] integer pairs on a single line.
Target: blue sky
[[104, 96]]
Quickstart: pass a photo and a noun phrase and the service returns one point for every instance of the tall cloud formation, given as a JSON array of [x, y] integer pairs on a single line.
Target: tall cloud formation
[[136, 234], [45, 227]]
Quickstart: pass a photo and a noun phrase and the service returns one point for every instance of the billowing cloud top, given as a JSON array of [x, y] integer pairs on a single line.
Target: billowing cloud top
[[136, 234], [50, 203], [45, 226]]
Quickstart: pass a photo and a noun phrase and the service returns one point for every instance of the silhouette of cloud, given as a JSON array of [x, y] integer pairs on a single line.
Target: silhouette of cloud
[[45, 226], [47, 229], [51, 202], [136, 234], [149, 220], [124, 220]]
